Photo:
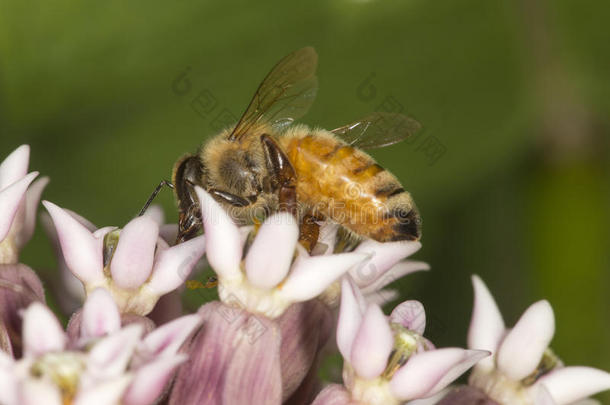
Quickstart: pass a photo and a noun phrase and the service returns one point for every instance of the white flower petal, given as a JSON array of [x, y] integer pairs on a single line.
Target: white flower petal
[[486, 324], [383, 257], [311, 276], [8, 385], [350, 318], [14, 166], [167, 339], [156, 213], [32, 199], [542, 396], [106, 393], [223, 239], [411, 315], [373, 344], [110, 356], [150, 380], [81, 250], [100, 315], [268, 259], [521, 350], [173, 265], [36, 392], [132, 262], [42, 332], [11, 198], [429, 372], [570, 384], [397, 271]]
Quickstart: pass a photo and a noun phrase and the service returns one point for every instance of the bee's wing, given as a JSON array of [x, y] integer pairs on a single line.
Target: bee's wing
[[285, 94], [377, 130]]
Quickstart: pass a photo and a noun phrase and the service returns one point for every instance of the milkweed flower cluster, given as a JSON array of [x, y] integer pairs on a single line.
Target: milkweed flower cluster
[[280, 310]]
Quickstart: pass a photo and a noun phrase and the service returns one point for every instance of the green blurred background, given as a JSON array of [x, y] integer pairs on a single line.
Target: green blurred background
[[511, 173]]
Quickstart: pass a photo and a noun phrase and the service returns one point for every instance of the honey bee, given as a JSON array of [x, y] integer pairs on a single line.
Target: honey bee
[[264, 165]]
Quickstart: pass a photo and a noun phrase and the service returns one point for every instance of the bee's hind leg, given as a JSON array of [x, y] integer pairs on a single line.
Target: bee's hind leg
[[284, 175]]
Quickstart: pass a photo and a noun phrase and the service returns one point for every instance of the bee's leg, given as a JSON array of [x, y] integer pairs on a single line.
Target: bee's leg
[[154, 195], [309, 232], [285, 177], [229, 198]]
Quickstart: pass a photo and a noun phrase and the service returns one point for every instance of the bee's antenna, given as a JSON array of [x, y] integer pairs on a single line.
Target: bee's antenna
[[154, 195]]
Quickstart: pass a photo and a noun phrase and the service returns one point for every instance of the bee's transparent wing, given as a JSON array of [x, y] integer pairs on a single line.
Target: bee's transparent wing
[[285, 94], [377, 130]]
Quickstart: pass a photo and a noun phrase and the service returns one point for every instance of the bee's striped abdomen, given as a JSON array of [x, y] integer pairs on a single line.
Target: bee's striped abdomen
[[346, 185]]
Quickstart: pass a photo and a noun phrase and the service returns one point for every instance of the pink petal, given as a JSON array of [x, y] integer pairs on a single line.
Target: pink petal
[[132, 262], [14, 166], [429, 372], [100, 315], [383, 257], [32, 199], [106, 393], [10, 202], [151, 380], [42, 332], [224, 248], [333, 394], [233, 345], [167, 339], [373, 344], [8, 383], [543, 396], [305, 328], [460, 395], [521, 350], [156, 213], [486, 325], [81, 250], [270, 255], [570, 384], [174, 265], [110, 356], [350, 318], [313, 275], [411, 315]]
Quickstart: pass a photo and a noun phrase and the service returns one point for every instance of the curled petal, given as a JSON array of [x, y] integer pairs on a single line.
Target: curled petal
[[151, 380], [570, 384], [350, 318], [10, 201], [42, 332], [270, 255], [312, 275], [398, 271], [486, 325], [155, 212], [81, 250], [373, 344], [133, 259], [429, 372], [167, 339], [33, 392], [110, 356], [223, 238], [100, 315], [522, 348], [32, 199], [173, 265], [383, 257], [411, 315], [14, 166]]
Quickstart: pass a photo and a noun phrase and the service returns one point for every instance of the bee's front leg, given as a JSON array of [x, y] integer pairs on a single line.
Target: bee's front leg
[[284, 175], [229, 198]]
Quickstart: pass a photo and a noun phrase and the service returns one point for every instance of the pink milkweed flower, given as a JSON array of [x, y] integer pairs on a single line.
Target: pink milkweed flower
[[523, 369], [19, 199], [134, 264], [387, 360], [111, 365], [267, 281]]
